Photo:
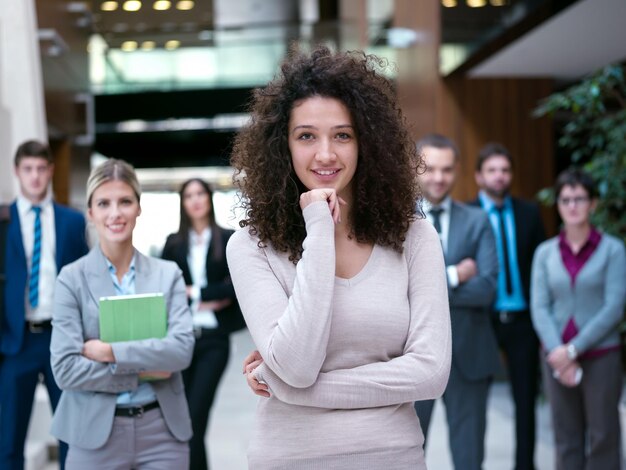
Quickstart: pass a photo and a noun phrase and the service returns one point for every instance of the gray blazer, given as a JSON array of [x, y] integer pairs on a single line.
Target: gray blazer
[[84, 415], [474, 346], [596, 300]]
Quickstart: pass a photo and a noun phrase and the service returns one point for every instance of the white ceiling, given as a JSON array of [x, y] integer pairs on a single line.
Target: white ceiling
[[577, 41]]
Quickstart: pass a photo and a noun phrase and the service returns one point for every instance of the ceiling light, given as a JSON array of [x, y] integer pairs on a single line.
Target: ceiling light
[[185, 5], [162, 5], [148, 45], [476, 3], [108, 6], [132, 5], [449, 3], [498, 3], [129, 46], [172, 44]]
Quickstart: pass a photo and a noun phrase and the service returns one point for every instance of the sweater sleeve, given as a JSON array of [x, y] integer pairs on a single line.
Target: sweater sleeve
[[290, 332], [541, 300], [420, 373], [606, 319]]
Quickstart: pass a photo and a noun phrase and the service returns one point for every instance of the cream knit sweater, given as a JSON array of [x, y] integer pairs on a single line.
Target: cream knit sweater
[[344, 358]]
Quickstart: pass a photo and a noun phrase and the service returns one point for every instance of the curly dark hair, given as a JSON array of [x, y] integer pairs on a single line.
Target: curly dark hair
[[384, 185]]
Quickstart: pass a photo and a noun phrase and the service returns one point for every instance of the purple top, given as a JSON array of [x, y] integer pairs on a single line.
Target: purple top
[[574, 262]]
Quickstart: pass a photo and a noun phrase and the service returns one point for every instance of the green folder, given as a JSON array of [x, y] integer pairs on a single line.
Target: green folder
[[132, 317]]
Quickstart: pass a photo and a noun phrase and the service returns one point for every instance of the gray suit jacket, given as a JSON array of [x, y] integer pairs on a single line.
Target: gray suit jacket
[[474, 346], [84, 415]]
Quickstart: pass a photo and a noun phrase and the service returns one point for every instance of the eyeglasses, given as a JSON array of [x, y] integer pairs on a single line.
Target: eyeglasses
[[578, 200]]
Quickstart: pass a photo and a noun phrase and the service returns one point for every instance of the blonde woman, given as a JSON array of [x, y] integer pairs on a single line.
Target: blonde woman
[[123, 405]]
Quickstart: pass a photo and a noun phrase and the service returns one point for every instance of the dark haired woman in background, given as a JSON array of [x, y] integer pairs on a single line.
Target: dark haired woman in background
[[577, 296], [199, 249]]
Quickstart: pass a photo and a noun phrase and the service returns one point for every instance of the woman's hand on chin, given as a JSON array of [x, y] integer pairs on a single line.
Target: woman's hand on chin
[[324, 194]]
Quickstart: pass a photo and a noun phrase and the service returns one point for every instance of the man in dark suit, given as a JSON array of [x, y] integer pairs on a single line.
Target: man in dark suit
[[472, 269], [42, 237], [518, 230]]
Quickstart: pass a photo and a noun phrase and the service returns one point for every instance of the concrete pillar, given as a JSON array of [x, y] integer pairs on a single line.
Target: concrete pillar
[[22, 109]]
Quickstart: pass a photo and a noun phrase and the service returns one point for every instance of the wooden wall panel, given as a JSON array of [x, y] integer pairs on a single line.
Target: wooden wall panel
[[473, 111]]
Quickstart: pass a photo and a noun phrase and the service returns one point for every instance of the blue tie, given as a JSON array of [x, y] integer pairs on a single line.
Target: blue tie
[[505, 250], [33, 284]]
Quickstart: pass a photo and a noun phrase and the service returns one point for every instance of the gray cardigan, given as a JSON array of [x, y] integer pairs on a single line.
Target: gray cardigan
[[596, 300]]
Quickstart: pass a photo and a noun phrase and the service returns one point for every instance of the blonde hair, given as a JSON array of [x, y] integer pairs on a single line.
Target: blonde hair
[[112, 170]]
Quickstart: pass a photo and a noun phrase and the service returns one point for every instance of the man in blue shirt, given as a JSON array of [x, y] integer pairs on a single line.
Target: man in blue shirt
[[518, 229]]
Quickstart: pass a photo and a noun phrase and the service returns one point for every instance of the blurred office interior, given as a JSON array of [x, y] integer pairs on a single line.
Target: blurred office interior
[[163, 84]]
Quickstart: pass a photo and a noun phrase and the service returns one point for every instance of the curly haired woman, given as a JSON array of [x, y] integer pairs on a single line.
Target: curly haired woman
[[342, 287]]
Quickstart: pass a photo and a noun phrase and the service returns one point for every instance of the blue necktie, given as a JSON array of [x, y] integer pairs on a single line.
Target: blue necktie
[[505, 250], [33, 284], [436, 213]]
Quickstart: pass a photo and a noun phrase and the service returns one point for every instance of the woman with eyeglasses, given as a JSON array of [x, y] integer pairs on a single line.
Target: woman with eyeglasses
[[577, 299]]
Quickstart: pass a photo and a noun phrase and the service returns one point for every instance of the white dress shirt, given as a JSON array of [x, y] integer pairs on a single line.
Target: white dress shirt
[[444, 221], [196, 259], [48, 264]]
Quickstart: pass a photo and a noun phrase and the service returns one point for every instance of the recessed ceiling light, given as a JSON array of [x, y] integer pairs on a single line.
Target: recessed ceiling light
[[172, 44], [132, 5], [476, 3], [129, 46], [108, 6], [148, 45], [162, 5], [498, 3], [185, 5], [449, 3]]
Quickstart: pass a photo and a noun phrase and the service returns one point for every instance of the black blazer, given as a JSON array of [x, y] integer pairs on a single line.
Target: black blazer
[[219, 285], [529, 233]]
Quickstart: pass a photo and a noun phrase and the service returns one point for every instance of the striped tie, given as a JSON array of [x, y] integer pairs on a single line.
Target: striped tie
[[33, 284]]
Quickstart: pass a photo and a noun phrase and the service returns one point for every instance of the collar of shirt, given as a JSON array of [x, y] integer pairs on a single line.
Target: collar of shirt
[[574, 262], [488, 203], [24, 205], [590, 245], [127, 285], [446, 205], [202, 238]]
